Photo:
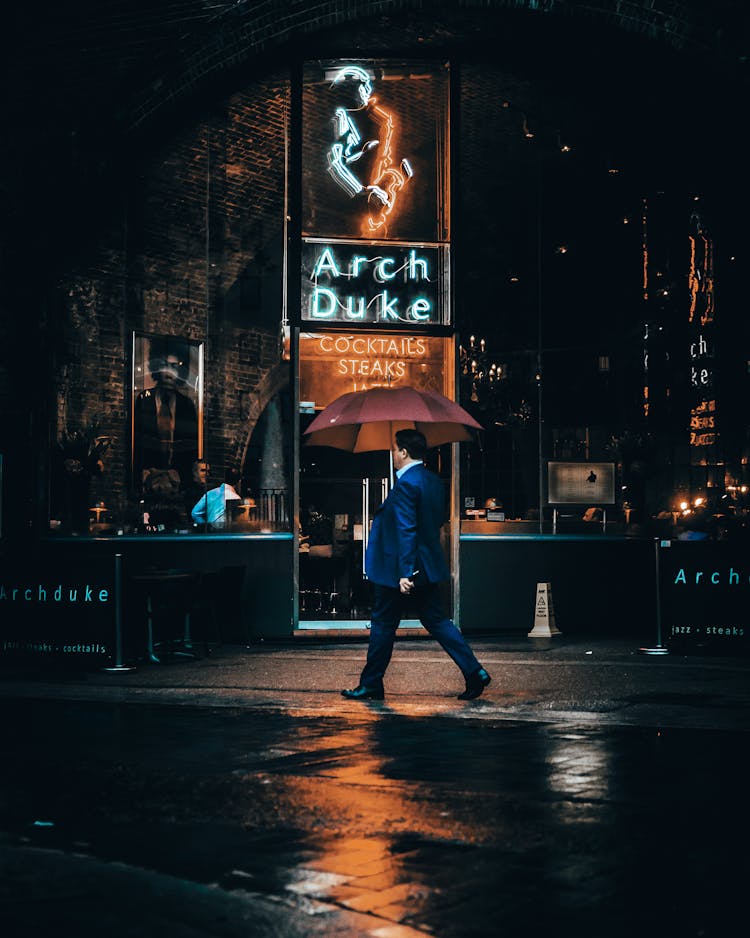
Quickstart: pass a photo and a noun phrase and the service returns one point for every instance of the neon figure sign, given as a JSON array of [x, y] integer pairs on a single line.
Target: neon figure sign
[[361, 159], [358, 282]]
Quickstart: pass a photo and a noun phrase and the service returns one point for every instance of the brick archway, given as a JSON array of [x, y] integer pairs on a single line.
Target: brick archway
[[274, 381], [258, 36]]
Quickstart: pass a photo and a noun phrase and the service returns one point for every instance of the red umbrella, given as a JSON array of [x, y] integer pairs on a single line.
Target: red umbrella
[[362, 421]]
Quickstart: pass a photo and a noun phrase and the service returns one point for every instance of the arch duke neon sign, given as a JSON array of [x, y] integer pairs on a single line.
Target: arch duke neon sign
[[390, 284], [362, 157]]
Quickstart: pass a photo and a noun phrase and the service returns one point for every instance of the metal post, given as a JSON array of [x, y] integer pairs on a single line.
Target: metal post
[[118, 665], [539, 326], [659, 648], [365, 519]]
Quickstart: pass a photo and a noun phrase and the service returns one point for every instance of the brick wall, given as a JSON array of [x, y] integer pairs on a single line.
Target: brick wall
[[193, 249]]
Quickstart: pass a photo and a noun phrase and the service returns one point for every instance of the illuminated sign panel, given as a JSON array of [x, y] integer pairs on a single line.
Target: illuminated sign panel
[[375, 206], [362, 159], [334, 363], [375, 150], [363, 282], [581, 483]]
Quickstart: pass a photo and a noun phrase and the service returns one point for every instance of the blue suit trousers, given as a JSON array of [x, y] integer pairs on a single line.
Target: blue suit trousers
[[388, 608]]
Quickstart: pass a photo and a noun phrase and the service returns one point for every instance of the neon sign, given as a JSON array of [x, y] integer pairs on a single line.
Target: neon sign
[[704, 430], [701, 277], [701, 355], [334, 363], [361, 158], [355, 282], [703, 424]]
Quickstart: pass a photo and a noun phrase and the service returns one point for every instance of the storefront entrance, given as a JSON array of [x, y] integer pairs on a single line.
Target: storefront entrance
[[339, 495], [335, 515], [339, 492]]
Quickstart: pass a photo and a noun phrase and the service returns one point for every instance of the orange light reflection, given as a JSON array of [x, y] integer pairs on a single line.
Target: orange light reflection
[[361, 809]]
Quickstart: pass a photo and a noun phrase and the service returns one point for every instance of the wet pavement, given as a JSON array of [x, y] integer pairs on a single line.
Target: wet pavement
[[591, 791]]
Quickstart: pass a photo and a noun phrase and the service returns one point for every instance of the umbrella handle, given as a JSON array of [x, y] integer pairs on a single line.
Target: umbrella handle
[[390, 452]]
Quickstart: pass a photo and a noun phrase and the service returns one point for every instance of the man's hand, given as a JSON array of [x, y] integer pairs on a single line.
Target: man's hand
[[405, 584]]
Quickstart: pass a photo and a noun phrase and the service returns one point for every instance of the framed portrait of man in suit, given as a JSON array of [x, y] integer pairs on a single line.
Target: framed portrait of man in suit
[[166, 410]]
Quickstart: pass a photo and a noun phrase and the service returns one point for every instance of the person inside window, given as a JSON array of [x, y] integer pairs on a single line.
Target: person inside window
[[165, 420], [198, 485], [213, 509]]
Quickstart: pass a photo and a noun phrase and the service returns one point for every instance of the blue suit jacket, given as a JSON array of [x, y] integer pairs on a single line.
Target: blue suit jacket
[[405, 534]]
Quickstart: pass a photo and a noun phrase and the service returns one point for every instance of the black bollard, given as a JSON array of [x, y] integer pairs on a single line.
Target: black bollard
[[659, 648], [118, 665]]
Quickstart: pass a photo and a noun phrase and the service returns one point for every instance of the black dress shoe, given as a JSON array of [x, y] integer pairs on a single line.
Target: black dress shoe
[[364, 693], [475, 684]]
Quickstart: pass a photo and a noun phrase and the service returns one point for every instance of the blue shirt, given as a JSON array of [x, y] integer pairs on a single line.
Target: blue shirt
[[212, 507], [403, 469]]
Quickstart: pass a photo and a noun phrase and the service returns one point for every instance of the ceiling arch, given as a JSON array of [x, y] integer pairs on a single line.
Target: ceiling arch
[[129, 62], [241, 33]]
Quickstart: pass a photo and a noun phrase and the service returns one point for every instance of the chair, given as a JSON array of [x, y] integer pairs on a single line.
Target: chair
[[217, 606], [231, 580], [167, 598], [205, 608]]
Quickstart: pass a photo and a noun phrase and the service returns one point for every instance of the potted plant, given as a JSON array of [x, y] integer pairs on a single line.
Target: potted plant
[[80, 457]]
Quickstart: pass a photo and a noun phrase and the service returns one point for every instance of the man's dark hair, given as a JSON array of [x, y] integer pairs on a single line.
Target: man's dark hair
[[162, 346], [413, 441]]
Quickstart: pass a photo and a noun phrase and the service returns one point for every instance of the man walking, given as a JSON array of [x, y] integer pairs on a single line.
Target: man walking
[[404, 558]]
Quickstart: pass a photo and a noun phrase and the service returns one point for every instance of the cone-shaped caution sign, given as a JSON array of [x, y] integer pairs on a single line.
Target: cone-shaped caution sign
[[544, 613]]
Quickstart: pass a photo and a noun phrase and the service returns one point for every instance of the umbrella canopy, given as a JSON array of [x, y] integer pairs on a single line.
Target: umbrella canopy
[[362, 421]]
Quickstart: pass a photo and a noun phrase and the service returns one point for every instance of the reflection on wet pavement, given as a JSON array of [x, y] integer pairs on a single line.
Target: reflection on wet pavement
[[577, 766], [415, 825]]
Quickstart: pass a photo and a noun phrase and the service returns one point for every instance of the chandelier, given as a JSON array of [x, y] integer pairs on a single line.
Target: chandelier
[[480, 378], [486, 384]]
